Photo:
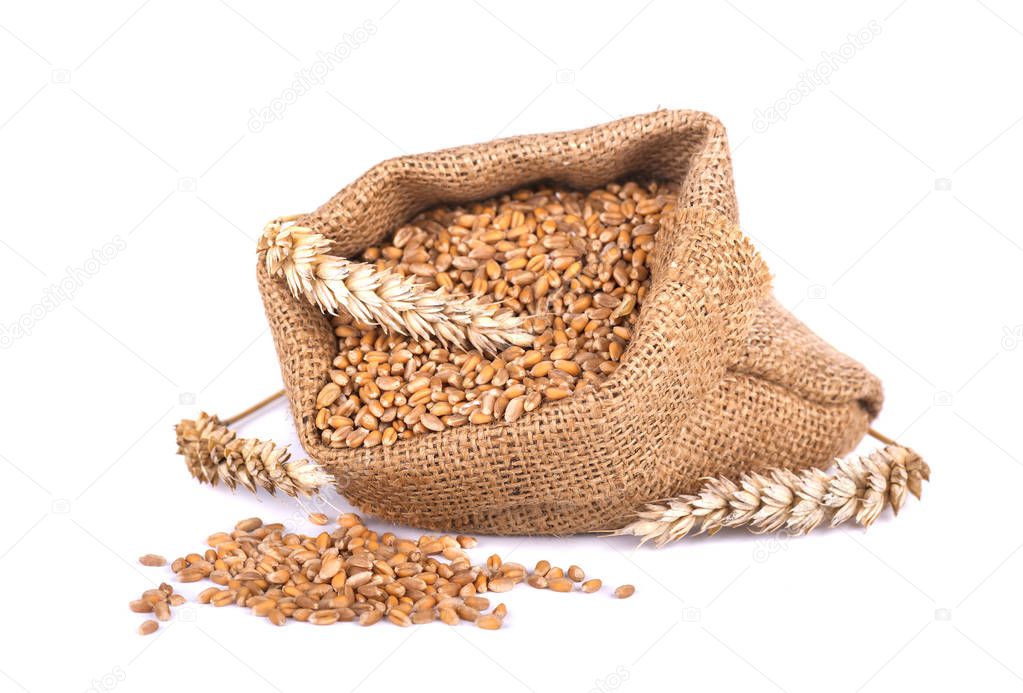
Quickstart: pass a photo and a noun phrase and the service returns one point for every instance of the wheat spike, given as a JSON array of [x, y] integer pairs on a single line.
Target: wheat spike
[[381, 297], [214, 454], [859, 489]]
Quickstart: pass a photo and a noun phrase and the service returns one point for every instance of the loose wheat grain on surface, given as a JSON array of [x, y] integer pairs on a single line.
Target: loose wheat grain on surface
[[573, 264], [351, 573]]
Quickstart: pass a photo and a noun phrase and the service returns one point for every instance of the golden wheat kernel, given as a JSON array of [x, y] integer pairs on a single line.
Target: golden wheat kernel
[[478, 603], [541, 369], [263, 607], [162, 611], [328, 395], [154, 596], [452, 553], [556, 393], [152, 560], [559, 584], [575, 573], [389, 437], [560, 353], [224, 597], [489, 622], [425, 603], [569, 367], [449, 602], [399, 618], [466, 542], [324, 617], [318, 518], [207, 594], [214, 540], [591, 585], [141, 606], [190, 575], [220, 577], [148, 627], [431, 546], [514, 409], [279, 577], [321, 418], [478, 417], [467, 613], [624, 591], [481, 582], [249, 524], [347, 520], [537, 581], [532, 401], [369, 617], [432, 422]]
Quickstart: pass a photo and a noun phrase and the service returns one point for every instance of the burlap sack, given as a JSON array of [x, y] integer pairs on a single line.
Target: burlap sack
[[717, 379]]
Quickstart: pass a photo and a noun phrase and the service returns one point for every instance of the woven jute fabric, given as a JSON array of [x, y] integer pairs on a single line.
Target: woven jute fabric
[[717, 379]]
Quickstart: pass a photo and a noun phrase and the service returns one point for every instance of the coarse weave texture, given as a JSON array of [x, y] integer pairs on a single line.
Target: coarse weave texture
[[718, 379]]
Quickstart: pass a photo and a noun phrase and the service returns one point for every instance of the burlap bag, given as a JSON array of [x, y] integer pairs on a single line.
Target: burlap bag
[[718, 378]]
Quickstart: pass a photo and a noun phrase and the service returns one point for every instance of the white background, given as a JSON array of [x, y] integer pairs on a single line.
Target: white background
[[886, 202]]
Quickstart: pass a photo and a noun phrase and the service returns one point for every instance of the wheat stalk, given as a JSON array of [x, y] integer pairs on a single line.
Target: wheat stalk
[[860, 488], [382, 297], [214, 453]]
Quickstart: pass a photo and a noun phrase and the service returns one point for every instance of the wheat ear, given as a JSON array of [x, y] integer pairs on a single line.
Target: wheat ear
[[214, 453], [381, 297], [859, 488]]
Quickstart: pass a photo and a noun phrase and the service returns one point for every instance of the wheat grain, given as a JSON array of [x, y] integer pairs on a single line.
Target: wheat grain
[[545, 255], [501, 584], [489, 622], [559, 584], [536, 580], [624, 591], [249, 524], [349, 574], [859, 489], [162, 611], [396, 303]]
